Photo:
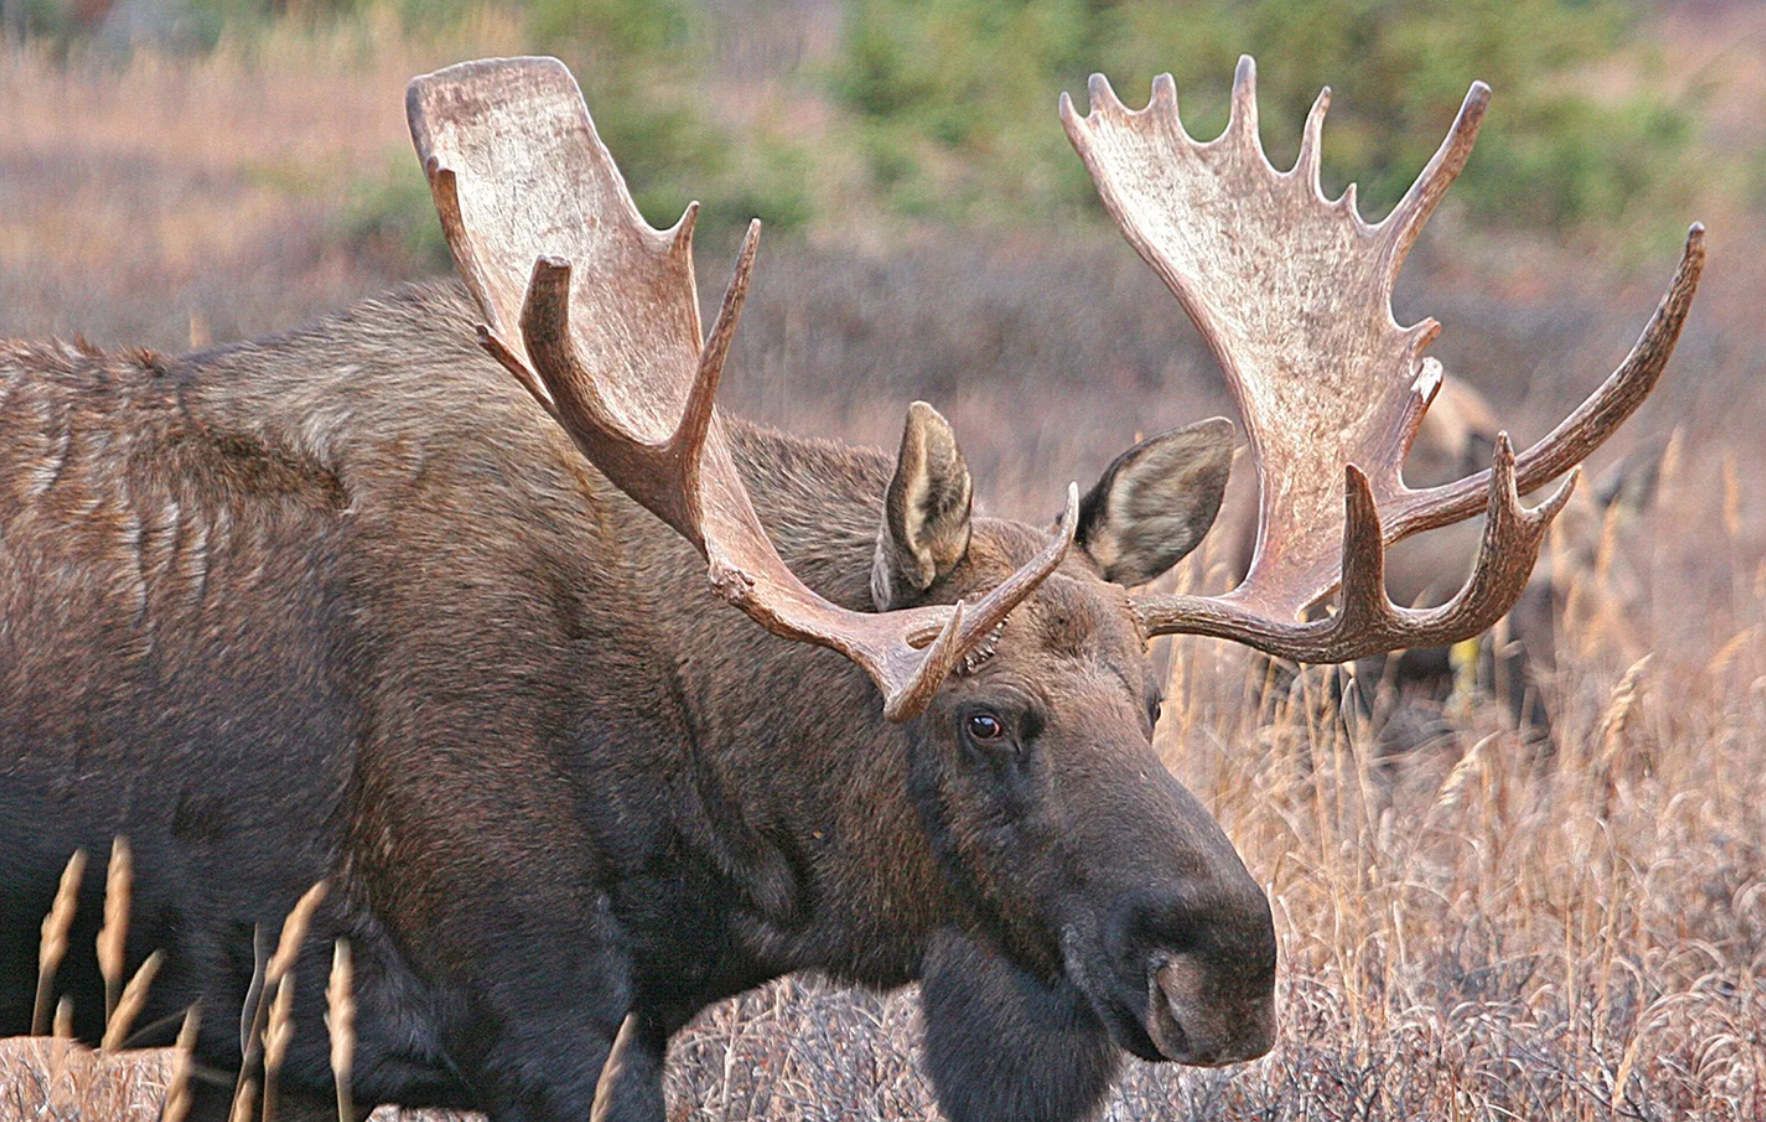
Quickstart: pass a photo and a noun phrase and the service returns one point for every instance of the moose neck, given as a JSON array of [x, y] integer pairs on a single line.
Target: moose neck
[[822, 790]]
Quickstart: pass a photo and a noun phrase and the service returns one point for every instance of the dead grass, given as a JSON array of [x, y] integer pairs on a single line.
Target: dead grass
[[172, 198], [49, 1080], [1479, 929]]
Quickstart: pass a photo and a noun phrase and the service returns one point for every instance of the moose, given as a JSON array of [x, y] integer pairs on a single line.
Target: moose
[[450, 599]]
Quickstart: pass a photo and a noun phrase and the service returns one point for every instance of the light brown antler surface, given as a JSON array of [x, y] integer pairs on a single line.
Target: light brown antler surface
[[597, 314], [1292, 291]]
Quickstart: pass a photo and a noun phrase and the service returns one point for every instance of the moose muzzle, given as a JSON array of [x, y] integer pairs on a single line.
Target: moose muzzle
[[1191, 1024]]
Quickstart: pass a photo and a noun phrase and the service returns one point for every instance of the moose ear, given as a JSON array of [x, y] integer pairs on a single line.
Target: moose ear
[[1156, 501], [925, 512]]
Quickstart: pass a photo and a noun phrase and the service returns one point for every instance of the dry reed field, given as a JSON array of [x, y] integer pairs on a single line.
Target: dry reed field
[[1485, 925]]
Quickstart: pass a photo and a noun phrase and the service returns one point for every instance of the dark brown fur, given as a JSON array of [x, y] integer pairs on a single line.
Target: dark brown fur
[[345, 604]]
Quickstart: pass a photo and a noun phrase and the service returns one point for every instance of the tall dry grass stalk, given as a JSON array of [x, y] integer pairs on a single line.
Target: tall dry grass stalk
[[52, 947], [178, 1094], [612, 1068], [243, 1099], [294, 933], [116, 1029], [278, 970], [113, 937], [340, 1022], [277, 1037]]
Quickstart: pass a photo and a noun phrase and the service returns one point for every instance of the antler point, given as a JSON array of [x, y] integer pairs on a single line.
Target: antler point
[[1164, 93], [1428, 379], [1571, 482]]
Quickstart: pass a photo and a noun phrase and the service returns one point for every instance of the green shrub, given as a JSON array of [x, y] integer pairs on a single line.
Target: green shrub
[[630, 56], [956, 95], [392, 216]]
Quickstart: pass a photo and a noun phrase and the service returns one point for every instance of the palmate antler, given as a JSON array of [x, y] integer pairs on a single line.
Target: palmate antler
[[597, 315], [1293, 293]]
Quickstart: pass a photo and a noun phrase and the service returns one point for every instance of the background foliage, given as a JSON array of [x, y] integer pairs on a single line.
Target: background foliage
[[954, 95], [932, 112]]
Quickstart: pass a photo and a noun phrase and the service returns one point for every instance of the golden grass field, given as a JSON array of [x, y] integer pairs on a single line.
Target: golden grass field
[[1480, 927]]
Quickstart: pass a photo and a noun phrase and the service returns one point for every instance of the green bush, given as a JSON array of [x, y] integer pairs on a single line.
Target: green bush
[[630, 56], [956, 96]]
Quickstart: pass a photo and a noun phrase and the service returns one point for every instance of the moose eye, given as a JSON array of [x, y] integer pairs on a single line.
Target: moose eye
[[984, 727]]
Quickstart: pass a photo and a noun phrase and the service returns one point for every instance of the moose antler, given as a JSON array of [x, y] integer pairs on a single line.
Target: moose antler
[[1293, 293], [597, 315]]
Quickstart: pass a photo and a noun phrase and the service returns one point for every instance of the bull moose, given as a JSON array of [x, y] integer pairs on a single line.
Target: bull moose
[[415, 599]]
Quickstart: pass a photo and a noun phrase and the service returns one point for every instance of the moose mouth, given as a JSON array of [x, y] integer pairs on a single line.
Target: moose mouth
[[1170, 1020]]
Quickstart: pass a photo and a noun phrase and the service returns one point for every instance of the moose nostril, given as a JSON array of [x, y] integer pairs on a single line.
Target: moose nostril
[[1162, 1023], [1190, 1024]]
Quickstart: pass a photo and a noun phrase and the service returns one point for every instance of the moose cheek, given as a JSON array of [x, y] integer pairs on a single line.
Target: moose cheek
[[999, 781]]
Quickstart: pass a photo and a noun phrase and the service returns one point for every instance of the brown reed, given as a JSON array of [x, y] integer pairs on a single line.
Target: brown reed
[[178, 1096], [116, 1030], [113, 937], [52, 947], [277, 1037], [340, 1022]]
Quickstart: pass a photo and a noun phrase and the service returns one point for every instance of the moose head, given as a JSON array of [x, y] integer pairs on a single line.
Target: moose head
[[1089, 902]]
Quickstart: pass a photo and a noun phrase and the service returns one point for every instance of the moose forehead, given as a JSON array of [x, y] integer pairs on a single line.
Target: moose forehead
[[1073, 615]]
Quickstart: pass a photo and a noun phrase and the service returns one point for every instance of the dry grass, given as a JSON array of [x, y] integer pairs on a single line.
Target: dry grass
[[168, 198], [1480, 929], [49, 1080]]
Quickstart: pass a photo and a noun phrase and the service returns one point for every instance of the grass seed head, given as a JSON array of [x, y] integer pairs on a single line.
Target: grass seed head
[[294, 933], [130, 1005], [113, 936], [52, 947]]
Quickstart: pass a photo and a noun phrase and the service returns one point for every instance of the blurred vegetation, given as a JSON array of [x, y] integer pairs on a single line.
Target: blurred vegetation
[[941, 111], [630, 57], [955, 95]]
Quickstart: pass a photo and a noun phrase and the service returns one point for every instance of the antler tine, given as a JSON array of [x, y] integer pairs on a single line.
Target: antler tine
[[1103, 98], [1580, 433], [1242, 122], [1367, 622], [687, 446], [1306, 164], [1513, 534], [968, 626], [1164, 100], [1293, 294], [1408, 218], [597, 316]]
